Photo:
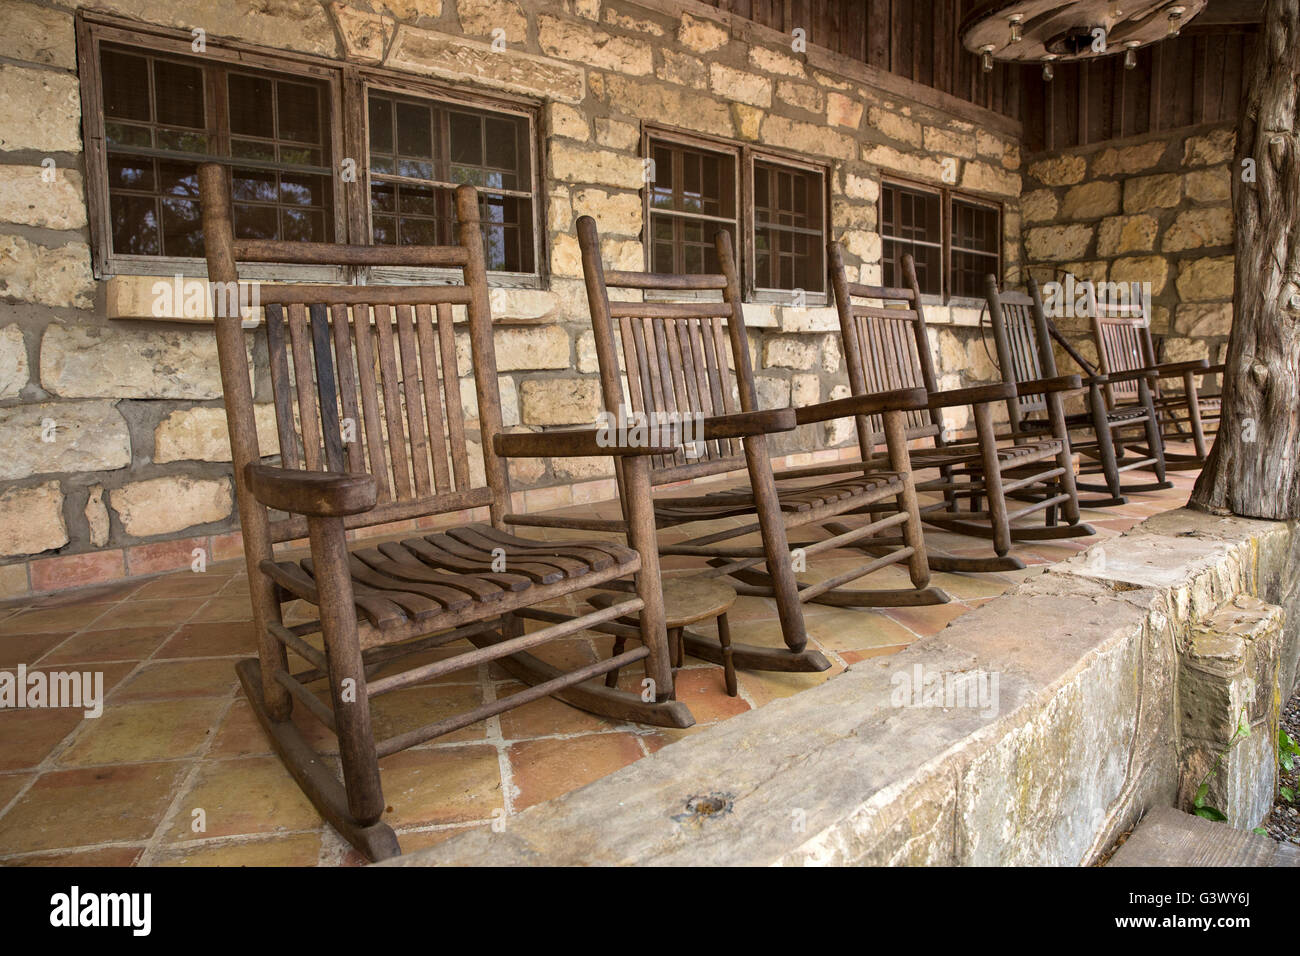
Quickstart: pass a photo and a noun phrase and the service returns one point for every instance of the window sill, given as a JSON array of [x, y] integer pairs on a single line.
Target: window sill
[[154, 298]]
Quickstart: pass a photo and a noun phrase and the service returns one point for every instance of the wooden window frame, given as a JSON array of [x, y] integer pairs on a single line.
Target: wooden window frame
[[348, 136], [946, 197], [654, 133], [398, 84], [753, 292], [744, 157], [92, 32]]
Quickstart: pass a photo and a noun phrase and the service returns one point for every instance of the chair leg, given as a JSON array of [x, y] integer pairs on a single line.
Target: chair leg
[[1105, 442], [620, 644], [1064, 460], [900, 461], [675, 646], [728, 665], [1194, 415], [776, 547], [649, 582], [347, 676], [992, 468], [1155, 441]]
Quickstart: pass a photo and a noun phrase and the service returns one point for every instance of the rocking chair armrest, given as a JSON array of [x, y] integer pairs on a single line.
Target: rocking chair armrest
[[315, 494], [1130, 376], [582, 443], [975, 395], [1173, 369], [1061, 383], [899, 400], [743, 424]]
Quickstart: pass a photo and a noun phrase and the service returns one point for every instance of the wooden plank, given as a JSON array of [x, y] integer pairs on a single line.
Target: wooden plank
[[451, 395], [414, 404], [347, 386], [361, 324], [303, 383], [327, 388], [396, 443], [280, 387]]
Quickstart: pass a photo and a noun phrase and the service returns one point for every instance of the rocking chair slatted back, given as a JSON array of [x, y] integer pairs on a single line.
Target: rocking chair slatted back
[[1024, 344], [364, 379], [886, 347], [1123, 337], [679, 359]]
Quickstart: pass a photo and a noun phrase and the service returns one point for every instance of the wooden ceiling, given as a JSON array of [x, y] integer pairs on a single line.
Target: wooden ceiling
[[1192, 79]]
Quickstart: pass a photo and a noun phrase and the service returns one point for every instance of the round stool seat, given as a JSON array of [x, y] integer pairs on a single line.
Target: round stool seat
[[687, 600]]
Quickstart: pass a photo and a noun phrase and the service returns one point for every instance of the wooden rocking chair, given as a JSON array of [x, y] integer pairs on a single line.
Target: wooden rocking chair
[[681, 364], [1124, 345], [1113, 436], [362, 445], [888, 347]]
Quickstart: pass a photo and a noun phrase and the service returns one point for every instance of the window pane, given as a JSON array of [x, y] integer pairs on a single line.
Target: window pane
[[381, 124], [134, 222], [694, 195], [126, 85], [910, 224], [178, 91], [484, 148], [414, 130], [298, 112], [789, 229], [153, 202], [976, 236], [252, 105]]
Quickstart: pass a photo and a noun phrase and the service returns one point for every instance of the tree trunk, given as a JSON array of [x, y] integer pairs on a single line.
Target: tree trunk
[[1254, 467]]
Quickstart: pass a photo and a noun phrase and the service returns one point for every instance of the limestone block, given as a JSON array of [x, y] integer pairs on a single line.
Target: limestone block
[[55, 437], [27, 198], [58, 276], [165, 505], [1059, 170], [115, 362], [14, 370], [31, 520], [559, 401]]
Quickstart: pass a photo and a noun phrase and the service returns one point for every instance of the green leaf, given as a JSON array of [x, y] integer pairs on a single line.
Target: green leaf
[[1260, 830], [1209, 813], [1287, 794], [1201, 791], [1288, 761]]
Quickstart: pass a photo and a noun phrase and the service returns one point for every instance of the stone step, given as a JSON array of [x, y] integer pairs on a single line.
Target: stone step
[[1169, 837]]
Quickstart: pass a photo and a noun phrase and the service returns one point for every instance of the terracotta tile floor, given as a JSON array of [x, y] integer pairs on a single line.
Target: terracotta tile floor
[[176, 771]]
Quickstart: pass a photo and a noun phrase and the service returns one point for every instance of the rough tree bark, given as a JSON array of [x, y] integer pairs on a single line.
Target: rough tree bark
[[1254, 467]]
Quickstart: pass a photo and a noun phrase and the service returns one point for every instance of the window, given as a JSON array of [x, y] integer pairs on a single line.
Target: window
[[421, 149], [161, 120], [789, 228], [692, 195], [778, 233], [976, 235], [153, 109], [955, 240]]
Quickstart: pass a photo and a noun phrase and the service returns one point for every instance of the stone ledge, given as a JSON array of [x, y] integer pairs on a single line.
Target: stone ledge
[[1083, 741]]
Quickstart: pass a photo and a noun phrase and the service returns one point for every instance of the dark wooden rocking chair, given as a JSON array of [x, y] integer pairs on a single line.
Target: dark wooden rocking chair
[[888, 347], [676, 362], [1114, 435], [1124, 345], [371, 431]]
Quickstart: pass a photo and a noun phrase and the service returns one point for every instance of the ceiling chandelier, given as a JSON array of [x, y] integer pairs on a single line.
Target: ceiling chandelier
[[1049, 31]]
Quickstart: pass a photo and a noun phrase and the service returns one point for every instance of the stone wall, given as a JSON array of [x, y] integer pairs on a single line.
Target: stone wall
[[1154, 209], [113, 453]]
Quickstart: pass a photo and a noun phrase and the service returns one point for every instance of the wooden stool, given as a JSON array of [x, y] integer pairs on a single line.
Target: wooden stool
[[687, 601]]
